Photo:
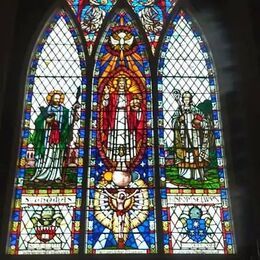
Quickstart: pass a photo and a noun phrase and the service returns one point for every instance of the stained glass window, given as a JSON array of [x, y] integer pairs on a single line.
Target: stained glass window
[[153, 15], [46, 214], [120, 204], [196, 214], [150, 136], [90, 14]]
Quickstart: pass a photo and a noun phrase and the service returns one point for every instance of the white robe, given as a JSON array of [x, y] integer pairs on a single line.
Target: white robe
[[121, 146]]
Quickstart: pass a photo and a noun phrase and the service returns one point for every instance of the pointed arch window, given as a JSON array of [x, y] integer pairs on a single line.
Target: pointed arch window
[[50, 166], [121, 176], [195, 195], [119, 154]]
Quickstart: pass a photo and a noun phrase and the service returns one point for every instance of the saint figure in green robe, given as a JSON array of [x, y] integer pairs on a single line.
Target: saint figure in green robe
[[50, 138]]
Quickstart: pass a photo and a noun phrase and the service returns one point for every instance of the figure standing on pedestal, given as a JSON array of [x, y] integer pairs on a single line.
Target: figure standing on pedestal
[[191, 142], [50, 138], [123, 118]]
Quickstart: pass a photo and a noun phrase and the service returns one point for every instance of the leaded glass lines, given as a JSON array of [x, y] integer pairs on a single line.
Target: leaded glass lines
[[120, 206], [153, 15], [194, 194], [120, 188], [90, 14], [50, 167]]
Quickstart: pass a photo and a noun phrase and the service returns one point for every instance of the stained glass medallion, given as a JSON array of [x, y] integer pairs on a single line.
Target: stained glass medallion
[[47, 202], [120, 199], [153, 15], [90, 14], [196, 211]]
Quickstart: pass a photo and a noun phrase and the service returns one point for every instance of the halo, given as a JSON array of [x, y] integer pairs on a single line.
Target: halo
[[52, 93]]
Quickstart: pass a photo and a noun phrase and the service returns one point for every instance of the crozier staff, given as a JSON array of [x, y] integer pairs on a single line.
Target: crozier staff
[[191, 142]]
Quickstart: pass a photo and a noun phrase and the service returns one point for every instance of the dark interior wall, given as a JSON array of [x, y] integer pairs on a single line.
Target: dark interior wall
[[229, 27], [22, 22], [232, 30]]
